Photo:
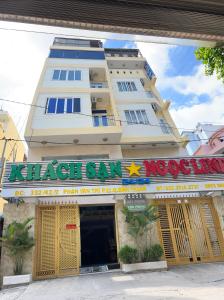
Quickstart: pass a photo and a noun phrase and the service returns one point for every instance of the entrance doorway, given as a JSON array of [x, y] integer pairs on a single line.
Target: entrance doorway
[[190, 231], [57, 241], [98, 238]]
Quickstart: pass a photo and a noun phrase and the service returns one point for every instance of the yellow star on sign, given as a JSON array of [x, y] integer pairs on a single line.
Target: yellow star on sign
[[133, 169]]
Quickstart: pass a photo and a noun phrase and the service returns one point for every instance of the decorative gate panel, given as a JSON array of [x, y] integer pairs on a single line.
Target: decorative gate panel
[[69, 243], [190, 231], [57, 241]]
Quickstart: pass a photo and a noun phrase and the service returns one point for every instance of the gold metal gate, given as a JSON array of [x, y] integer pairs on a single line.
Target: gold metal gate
[[190, 231], [57, 241]]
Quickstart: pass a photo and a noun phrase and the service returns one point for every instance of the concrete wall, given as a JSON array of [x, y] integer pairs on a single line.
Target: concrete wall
[[139, 130], [19, 214], [36, 154], [83, 83], [154, 152], [54, 121]]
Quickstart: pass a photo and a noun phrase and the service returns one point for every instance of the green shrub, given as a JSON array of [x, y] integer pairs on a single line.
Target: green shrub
[[128, 255], [154, 253]]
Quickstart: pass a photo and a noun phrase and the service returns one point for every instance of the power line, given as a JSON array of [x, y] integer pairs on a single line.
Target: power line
[[96, 144], [112, 119], [82, 36]]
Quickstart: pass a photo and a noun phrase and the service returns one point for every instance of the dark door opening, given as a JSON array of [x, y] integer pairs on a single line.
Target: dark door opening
[[98, 242]]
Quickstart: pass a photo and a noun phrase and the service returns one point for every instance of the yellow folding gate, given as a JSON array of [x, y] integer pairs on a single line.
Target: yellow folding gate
[[57, 241], [190, 231]]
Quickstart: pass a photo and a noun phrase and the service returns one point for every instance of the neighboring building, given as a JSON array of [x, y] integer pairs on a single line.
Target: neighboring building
[[200, 136], [215, 144], [93, 104], [10, 151]]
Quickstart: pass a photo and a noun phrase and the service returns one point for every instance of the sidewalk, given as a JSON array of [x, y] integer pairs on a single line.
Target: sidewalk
[[195, 282]]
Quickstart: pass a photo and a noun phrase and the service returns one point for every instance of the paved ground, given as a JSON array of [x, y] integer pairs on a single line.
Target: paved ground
[[195, 282]]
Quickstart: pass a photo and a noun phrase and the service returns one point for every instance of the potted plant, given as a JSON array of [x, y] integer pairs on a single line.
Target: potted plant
[[146, 256], [17, 241]]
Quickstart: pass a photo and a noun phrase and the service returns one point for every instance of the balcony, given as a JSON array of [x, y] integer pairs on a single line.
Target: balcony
[[103, 120], [98, 85]]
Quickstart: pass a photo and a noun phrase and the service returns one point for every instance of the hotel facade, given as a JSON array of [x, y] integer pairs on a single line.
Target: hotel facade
[[99, 136]]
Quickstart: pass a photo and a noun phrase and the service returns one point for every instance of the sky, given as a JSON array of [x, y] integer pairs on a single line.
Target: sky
[[180, 77]]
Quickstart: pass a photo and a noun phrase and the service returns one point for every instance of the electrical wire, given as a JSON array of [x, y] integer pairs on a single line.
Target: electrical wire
[[111, 119], [97, 144]]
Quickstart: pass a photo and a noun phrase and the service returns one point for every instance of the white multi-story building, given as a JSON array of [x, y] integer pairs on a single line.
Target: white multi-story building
[[99, 134], [91, 95]]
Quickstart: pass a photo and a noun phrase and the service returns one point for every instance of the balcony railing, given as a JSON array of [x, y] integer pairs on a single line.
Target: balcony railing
[[103, 120], [98, 85], [165, 127]]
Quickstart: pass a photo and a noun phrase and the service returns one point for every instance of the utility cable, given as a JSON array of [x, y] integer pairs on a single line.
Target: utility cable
[[112, 117], [97, 144]]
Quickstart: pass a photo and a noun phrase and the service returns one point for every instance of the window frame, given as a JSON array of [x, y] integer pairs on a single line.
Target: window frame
[[77, 75], [126, 86], [136, 117], [75, 105]]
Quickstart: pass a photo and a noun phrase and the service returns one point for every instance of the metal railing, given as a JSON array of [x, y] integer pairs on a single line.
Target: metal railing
[[103, 121], [98, 85]]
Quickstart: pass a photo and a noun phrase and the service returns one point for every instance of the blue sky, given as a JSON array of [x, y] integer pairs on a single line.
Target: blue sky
[[183, 63]]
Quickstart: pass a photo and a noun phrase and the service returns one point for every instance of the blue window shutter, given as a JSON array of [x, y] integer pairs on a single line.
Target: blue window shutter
[[77, 107], [60, 106], [51, 106], [78, 75], [69, 106], [104, 121], [56, 74], [63, 75], [96, 122], [71, 75]]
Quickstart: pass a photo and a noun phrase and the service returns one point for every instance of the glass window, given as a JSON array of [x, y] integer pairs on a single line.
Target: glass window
[[63, 75], [70, 75], [96, 122], [56, 74], [104, 121], [133, 86], [78, 75], [126, 86], [145, 118], [76, 104], [139, 116], [51, 105], [133, 117], [119, 86], [127, 116], [136, 117], [69, 105], [60, 106]]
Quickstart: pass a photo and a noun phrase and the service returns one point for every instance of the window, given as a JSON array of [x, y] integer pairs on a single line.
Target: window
[[56, 74], [66, 75], [165, 127], [126, 86], [100, 118], [136, 117], [142, 81], [62, 105], [76, 54]]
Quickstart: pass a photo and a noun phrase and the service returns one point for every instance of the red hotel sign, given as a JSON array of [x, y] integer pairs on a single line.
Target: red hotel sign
[[185, 166]]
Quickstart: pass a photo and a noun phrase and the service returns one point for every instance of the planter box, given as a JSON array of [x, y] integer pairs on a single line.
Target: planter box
[[16, 280], [145, 266]]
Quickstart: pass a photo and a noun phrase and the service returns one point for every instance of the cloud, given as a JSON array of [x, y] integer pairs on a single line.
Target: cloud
[[158, 58], [193, 87]]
